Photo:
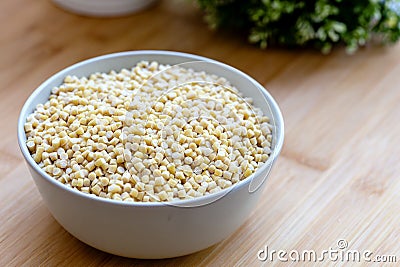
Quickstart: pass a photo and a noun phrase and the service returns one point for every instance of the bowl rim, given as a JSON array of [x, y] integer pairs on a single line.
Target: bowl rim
[[273, 106]]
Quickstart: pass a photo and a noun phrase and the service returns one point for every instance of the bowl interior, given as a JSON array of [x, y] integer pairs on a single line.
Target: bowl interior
[[245, 84]]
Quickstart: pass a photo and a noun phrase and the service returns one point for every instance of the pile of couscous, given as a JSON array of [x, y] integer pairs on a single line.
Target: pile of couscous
[[151, 133]]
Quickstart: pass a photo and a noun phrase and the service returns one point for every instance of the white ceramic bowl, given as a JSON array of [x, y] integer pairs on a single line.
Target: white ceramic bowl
[[104, 8], [153, 230]]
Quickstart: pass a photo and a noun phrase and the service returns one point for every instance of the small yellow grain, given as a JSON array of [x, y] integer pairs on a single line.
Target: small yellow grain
[[104, 181], [247, 173], [113, 188]]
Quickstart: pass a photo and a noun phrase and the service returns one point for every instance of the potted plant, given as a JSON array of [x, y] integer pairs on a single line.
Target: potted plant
[[316, 23]]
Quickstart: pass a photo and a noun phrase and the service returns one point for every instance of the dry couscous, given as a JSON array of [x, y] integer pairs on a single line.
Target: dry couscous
[[150, 133]]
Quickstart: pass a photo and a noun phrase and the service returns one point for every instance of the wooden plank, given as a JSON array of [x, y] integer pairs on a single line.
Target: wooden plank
[[337, 176]]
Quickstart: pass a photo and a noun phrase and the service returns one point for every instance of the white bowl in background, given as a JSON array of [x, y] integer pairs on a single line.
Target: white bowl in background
[[153, 229], [104, 8]]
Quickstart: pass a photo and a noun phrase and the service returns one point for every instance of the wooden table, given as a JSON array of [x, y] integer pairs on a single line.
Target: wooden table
[[338, 174]]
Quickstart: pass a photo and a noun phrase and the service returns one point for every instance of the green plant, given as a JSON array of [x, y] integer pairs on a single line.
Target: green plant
[[317, 23]]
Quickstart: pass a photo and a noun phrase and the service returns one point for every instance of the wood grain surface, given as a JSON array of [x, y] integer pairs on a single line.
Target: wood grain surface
[[337, 176]]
